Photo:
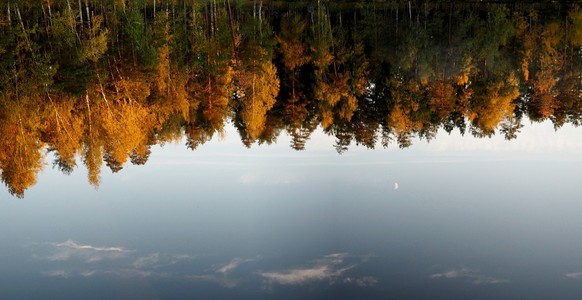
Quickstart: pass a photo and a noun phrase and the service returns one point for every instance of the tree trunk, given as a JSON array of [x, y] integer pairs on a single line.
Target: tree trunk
[[397, 18], [50, 12], [231, 24], [9, 19], [410, 11], [73, 25], [81, 14], [89, 114], [45, 17], [260, 15], [25, 33], [88, 15]]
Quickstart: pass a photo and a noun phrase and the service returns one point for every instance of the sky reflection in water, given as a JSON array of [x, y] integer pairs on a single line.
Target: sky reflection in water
[[272, 223]]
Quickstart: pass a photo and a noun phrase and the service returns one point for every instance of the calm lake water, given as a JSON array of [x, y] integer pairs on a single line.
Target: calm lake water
[[469, 219], [290, 151]]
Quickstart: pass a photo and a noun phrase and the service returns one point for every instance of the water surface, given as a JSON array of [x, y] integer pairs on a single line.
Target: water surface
[[271, 151]]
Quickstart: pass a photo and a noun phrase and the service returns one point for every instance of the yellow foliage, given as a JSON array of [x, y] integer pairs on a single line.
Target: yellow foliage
[[20, 156], [322, 57], [293, 52], [550, 38], [65, 131], [96, 45], [528, 38], [326, 117], [132, 89], [291, 46], [260, 88], [332, 93], [347, 107], [465, 72], [401, 122], [92, 158], [525, 69], [494, 104], [163, 68], [543, 105], [441, 96], [125, 128]]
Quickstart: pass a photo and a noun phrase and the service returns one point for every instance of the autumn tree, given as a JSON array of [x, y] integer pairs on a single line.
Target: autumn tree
[[21, 157]]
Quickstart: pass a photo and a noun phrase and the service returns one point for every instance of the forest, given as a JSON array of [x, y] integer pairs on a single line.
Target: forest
[[98, 82]]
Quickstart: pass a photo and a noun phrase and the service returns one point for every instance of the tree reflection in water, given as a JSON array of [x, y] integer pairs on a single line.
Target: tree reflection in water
[[102, 82]]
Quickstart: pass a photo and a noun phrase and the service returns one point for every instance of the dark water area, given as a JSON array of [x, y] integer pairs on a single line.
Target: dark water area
[[290, 149]]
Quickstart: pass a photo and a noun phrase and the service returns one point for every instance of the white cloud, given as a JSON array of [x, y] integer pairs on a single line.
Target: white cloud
[[157, 260], [72, 259], [473, 276], [73, 245], [88, 273], [232, 265], [449, 274], [71, 250], [337, 258], [362, 282], [132, 273], [147, 261], [574, 275], [119, 272], [300, 276], [123, 273], [331, 268], [88, 253], [222, 273]]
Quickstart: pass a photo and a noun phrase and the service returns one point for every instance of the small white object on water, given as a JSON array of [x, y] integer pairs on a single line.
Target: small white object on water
[[395, 185]]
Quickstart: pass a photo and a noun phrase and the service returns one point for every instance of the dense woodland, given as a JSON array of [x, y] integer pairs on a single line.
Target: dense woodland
[[100, 81]]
